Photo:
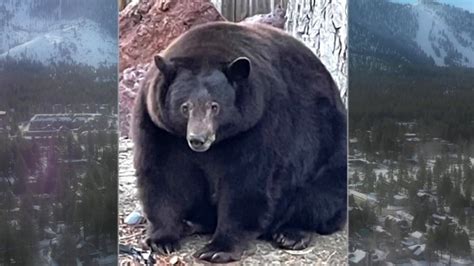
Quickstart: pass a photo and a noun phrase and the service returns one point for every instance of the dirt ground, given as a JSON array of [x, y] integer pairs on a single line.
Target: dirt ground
[[325, 250]]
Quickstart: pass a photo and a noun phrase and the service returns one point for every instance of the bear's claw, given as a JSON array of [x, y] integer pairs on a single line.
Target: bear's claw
[[162, 246], [292, 239], [215, 255]]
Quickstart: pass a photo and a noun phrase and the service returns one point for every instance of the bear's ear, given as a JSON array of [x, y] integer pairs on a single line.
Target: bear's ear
[[165, 67], [239, 69]]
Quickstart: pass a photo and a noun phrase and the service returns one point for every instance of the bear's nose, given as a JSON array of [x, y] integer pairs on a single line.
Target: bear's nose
[[197, 141]]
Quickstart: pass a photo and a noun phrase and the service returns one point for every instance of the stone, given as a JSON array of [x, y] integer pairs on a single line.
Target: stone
[[134, 218], [276, 18]]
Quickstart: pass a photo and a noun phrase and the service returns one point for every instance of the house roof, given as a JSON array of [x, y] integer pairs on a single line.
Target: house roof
[[417, 249], [404, 215], [400, 197], [362, 196], [416, 234]]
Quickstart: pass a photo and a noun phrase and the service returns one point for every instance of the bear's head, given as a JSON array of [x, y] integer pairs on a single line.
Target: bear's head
[[199, 103]]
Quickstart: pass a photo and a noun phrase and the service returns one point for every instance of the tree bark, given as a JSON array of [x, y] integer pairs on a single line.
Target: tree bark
[[322, 26]]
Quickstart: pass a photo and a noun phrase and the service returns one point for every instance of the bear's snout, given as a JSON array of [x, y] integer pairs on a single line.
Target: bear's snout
[[200, 132], [197, 141], [200, 142]]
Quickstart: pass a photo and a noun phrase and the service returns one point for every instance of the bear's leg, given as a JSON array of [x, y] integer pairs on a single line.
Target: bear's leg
[[202, 217], [244, 210], [321, 206], [318, 206], [328, 196], [163, 214], [315, 213], [334, 224], [170, 194]]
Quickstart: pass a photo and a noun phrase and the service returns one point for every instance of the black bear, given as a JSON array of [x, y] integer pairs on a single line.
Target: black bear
[[239, 131]]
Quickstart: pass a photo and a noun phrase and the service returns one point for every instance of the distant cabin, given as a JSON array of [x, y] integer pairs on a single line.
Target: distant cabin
[[50, 125]]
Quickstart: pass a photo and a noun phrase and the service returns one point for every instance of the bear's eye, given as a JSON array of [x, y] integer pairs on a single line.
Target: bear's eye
[[185, 109], [215, 107]]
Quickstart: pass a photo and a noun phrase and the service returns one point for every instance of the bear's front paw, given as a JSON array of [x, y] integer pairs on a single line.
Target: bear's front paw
[[292, 239], [218, 254], [163, 244]]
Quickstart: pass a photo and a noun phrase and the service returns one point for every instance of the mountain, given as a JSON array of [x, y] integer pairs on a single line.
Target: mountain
[[411, 63], [59, 31], [388, 35]]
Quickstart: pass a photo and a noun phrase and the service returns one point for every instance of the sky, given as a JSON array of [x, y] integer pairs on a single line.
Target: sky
[[464, 4]]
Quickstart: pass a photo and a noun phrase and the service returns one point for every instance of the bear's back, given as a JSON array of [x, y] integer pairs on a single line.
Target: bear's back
[[224, 41], [285, 62]]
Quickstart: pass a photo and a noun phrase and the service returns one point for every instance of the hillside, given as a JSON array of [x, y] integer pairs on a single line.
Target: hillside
[[47, 32], [387, 35]]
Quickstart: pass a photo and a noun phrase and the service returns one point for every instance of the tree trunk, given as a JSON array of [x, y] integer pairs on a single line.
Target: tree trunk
[[322, 26]]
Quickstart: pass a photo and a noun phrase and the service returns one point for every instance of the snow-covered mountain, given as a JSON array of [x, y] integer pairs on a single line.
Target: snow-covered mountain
[[38, 31], [442, 37], [421, 32]]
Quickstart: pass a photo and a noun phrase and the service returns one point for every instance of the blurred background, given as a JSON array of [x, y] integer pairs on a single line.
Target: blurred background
[[58, 132]]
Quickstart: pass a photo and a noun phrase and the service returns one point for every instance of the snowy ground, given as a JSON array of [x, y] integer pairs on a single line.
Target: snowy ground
[[330, 250]]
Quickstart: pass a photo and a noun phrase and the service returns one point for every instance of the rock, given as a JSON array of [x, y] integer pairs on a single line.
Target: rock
[[276, 18], [134, 218], [174, 260], [148, 26], [129, 254], [129, 83]]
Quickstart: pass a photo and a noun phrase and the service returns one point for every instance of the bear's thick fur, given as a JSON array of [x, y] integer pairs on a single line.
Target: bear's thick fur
[[273, 152]]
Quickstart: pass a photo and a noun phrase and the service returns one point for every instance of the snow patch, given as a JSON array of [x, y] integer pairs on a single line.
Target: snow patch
[[79, 41]]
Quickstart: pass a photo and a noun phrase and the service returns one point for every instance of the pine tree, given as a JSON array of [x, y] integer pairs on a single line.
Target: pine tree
[[421, 174], [464, 247], [355, 177], [429, 180], [438, 170], [51, 177], [7, 237], [67, 253], [430, 246], [370, 178], [420, 220], [34, 157], [91, 201], [413, 203], [108, 174], [382, 193], [5, 155], [44, 217], [20, 172], [402, 175], [444, 188], [27, 249]]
